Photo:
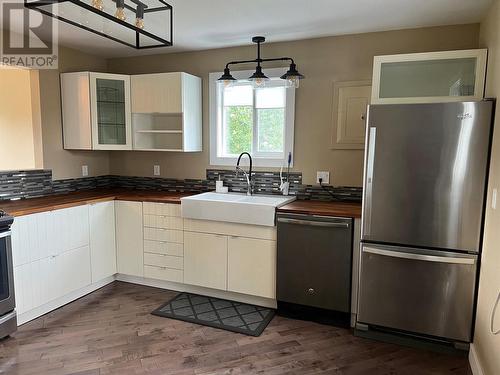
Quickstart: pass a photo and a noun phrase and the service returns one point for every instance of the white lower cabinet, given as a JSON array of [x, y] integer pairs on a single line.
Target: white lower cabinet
[[237, 258], [52, 252], [73, 270], [163, 242], [251, 266], [102, 240], [205, 260], [23, 287], [129, 238], [62, 254]]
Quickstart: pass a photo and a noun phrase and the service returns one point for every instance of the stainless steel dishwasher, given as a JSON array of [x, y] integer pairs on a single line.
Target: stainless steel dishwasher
[[314, 263]]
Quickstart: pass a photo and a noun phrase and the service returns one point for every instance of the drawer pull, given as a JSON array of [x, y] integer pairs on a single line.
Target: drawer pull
[[311, 291]]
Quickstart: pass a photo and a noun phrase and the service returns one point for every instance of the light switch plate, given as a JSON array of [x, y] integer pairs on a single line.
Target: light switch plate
[[325, 176], [85, 170], [156, 170], [494, 199]]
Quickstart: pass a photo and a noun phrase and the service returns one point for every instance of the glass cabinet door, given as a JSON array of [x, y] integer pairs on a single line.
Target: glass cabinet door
[[111, 111], [429, 77]]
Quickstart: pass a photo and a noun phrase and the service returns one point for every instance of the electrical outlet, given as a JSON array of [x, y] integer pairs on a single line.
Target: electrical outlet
[[325, 177], [494, 199], [85, 170], [156, 170]]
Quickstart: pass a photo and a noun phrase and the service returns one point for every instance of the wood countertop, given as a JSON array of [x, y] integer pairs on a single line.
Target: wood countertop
[[53, 202], [341, 209]]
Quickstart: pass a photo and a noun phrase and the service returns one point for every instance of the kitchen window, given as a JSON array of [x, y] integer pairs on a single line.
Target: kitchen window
[[257, 120]]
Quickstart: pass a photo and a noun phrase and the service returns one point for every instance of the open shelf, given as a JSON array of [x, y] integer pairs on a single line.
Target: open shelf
[[158, 131]]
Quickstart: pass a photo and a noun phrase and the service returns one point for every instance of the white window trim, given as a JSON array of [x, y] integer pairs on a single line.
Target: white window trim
[[215, 132]]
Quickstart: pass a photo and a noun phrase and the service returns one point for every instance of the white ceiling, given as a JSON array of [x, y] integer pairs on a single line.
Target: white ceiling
[[205, 24]]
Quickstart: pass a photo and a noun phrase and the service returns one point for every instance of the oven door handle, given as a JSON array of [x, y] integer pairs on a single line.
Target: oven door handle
[[423, 257], [8, 316], [5, 234]]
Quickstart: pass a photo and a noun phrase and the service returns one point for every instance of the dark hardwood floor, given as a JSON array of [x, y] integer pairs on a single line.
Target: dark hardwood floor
[[111, 331]]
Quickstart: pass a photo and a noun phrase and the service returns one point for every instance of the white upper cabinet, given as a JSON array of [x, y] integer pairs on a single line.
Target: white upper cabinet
[[167, 112], [110, 111], [96, 111], [147, 112], [429, 77], [157, 93]]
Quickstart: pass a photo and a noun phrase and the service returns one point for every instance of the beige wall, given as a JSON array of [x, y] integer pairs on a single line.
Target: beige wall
[[17, 140], [323, 61], [487, 345], [66, 164]]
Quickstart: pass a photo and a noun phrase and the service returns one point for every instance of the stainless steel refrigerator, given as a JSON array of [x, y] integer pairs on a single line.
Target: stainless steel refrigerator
[[426, 168]]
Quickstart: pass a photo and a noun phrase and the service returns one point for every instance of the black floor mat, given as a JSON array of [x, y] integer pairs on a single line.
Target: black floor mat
[[218, 313]]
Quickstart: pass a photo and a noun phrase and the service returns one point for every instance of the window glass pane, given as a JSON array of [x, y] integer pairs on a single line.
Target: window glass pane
[[270, 97], [238, 95], [271, 123], [238, 129]]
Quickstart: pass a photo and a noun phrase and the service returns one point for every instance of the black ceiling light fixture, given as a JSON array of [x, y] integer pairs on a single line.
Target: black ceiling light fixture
[[292, 77], [138, 24]]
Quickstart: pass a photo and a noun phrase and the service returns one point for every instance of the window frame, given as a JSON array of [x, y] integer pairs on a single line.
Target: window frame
[[260, 159]]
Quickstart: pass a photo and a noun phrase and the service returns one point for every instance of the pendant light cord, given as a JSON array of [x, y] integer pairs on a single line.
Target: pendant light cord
[[493, 313]]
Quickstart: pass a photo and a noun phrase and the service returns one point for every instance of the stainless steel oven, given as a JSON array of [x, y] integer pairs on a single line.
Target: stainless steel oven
[[8, 320]]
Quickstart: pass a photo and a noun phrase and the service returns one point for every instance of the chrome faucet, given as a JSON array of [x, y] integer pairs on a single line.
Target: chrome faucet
[[247, 175]]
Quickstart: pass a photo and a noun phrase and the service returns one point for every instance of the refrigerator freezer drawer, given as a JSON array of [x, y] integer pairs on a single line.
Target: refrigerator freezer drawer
[[419, 291]]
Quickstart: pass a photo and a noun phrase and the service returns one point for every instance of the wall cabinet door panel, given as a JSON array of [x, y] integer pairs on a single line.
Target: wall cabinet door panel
[[431, 77], [156, 93], [252, 266], [205, 260], [110, 111], [102, 240]]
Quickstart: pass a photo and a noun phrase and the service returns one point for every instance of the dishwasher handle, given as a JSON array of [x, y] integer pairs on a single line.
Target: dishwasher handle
[[314, 223]]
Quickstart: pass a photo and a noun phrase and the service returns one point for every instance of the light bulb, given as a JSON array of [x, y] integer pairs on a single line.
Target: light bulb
[[98, 4], [120, 14], [293, 82], [259, 82], [139, 23]]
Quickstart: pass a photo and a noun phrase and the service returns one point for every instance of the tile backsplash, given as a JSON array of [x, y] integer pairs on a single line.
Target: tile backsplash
[[36, 183]]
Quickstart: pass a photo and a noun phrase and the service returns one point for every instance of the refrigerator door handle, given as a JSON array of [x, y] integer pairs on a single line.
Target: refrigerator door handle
[[423, 257], [372, 134]]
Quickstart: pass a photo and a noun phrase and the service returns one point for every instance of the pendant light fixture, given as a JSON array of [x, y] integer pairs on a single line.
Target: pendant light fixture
[[138, 24], [258, 78]]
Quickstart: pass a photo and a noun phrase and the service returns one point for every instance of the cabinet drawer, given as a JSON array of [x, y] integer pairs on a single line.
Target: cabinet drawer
[[167, 248], [161, 260], [162, 273], [162, 221], [165, 209], [168, 235]]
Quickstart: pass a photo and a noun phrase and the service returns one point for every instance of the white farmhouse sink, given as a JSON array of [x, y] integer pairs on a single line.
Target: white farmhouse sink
[[234, 207]]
